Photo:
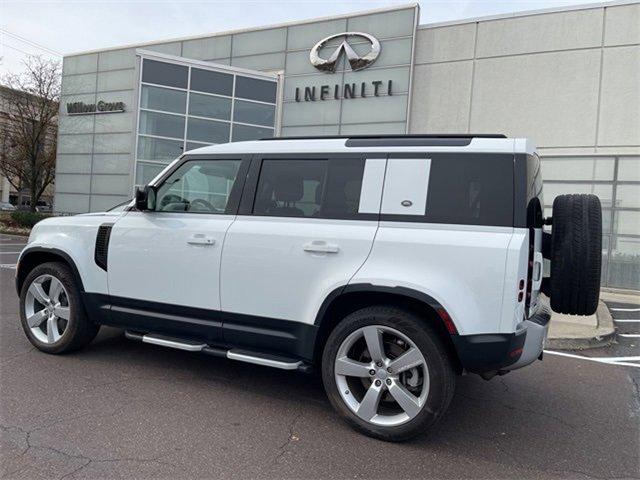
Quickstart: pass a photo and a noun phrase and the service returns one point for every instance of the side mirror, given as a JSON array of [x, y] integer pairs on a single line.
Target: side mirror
[[146, 198]]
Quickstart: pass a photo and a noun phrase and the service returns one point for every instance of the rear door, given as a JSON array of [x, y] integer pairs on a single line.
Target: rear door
[[307, 224]]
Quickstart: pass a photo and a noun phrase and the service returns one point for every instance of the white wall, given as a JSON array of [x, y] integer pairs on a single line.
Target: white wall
[[568, 79]]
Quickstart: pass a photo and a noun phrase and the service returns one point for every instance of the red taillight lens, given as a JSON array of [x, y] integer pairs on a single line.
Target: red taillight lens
[[515, 353], [448, 323]]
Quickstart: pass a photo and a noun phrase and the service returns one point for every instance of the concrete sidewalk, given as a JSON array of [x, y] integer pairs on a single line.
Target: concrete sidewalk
[[573, 332]]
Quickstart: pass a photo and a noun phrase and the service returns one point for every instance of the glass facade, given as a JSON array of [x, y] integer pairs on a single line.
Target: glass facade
[[616, 181], [183, 107]]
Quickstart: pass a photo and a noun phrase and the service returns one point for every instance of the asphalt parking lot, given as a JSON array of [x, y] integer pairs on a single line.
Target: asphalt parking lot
[[120, 409]]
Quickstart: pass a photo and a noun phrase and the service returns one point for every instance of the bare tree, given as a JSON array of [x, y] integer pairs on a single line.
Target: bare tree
[[29, 126]]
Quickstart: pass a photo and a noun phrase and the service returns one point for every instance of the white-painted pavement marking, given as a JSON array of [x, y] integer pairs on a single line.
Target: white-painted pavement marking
[[629, 335], [625, 309], [626, 320], [12, 244], [11, 266], [7, 253], [623, 361]]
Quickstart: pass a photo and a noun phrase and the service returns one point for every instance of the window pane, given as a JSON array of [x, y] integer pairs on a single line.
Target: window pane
[[290, 188], [164, 73], [624, 264], [145, 172], [211, 82], [310, 188], [474, 189], [603, 191], [208, 106], [161, 124], [244, 132], [627, 222], [199, 186], [582, 168], [628, 196], [629, 169], [256, 113], [254, 89], [208, 131], [157, 98], [158, 149]]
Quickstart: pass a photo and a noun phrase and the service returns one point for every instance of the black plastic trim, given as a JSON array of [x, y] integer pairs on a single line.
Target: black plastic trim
[[54, 251], [489, 352], [409, 142], [101, 252], [269, 335]]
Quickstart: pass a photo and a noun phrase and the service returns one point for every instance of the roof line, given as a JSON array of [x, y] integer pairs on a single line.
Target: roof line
[[250, 29], [529, 13]]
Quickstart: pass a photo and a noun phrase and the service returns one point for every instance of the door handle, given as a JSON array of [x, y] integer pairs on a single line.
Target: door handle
[[200, 239], [320, 247], [536, 276]]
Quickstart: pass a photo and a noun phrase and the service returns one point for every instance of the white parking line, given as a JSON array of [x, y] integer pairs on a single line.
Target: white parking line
[[626, 320], [11, 266], [623, 361], [625, 309], [12, 244], [7, 253], [629, 335]]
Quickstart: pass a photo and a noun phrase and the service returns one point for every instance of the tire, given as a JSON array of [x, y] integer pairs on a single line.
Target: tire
[[54, 333], [438, 377], [576, 254]]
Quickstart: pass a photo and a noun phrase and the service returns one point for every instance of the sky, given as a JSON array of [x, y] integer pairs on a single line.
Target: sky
[[56, 28]]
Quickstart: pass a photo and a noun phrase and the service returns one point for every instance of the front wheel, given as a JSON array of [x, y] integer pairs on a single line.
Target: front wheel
[[51, 311], [387, 373]]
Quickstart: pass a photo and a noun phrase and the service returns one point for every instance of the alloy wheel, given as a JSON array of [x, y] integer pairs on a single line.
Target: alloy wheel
[[47, 308], [381, 375]]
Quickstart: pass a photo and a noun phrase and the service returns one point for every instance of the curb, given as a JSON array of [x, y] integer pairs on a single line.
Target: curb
[[603, 336]]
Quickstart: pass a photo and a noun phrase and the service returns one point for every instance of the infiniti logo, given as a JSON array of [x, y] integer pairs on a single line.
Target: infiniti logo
[[355, 61]]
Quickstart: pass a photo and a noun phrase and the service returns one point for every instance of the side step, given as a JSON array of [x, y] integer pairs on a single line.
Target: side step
[[257, 358]]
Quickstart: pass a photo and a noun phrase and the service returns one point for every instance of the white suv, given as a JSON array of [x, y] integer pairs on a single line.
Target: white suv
[[390, 263]]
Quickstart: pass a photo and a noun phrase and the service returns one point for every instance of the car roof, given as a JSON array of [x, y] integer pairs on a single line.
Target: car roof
[[482, 143]]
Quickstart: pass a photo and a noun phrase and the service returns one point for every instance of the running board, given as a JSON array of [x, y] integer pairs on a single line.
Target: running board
[[257, 358]]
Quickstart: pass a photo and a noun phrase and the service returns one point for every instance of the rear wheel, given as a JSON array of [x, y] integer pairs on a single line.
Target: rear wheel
[[387, 373], [51, 312]]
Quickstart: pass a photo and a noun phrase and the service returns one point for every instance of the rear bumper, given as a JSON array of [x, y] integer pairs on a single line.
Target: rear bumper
[[504, 351]]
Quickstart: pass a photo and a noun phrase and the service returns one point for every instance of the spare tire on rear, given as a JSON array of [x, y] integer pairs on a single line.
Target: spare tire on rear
[[576, 254]]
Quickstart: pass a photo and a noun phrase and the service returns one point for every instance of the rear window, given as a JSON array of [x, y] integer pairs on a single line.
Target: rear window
[[320, 188]]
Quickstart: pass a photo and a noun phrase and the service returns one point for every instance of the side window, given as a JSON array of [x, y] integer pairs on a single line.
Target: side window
[[322, 188], [199, 186], [471, 189]]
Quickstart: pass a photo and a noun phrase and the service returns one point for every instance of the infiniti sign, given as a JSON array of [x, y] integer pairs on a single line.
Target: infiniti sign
[[356, 61]]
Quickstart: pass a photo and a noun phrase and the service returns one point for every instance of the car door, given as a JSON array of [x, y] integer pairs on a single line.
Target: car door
[[164, 264], [306, 225]]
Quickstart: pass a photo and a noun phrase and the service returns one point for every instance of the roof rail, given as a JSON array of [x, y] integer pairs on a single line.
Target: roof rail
[[390, 136], [415, 140]]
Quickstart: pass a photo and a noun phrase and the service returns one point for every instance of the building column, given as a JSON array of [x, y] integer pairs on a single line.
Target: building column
[[6, 186]]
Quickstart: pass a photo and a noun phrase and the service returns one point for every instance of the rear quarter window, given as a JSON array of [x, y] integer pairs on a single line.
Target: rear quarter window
[[470, 189]]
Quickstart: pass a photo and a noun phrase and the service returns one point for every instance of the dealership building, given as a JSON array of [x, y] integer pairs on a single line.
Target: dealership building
[[568, 78]]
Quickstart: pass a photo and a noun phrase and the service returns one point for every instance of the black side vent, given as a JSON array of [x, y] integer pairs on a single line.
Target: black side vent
[[102, 245]]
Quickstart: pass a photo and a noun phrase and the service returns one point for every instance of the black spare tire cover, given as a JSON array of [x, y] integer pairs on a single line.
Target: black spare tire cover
[[576, 254]]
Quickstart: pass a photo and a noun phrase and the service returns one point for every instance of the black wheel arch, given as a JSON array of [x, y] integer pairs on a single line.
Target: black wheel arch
[[34, 256], [347, 299]]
